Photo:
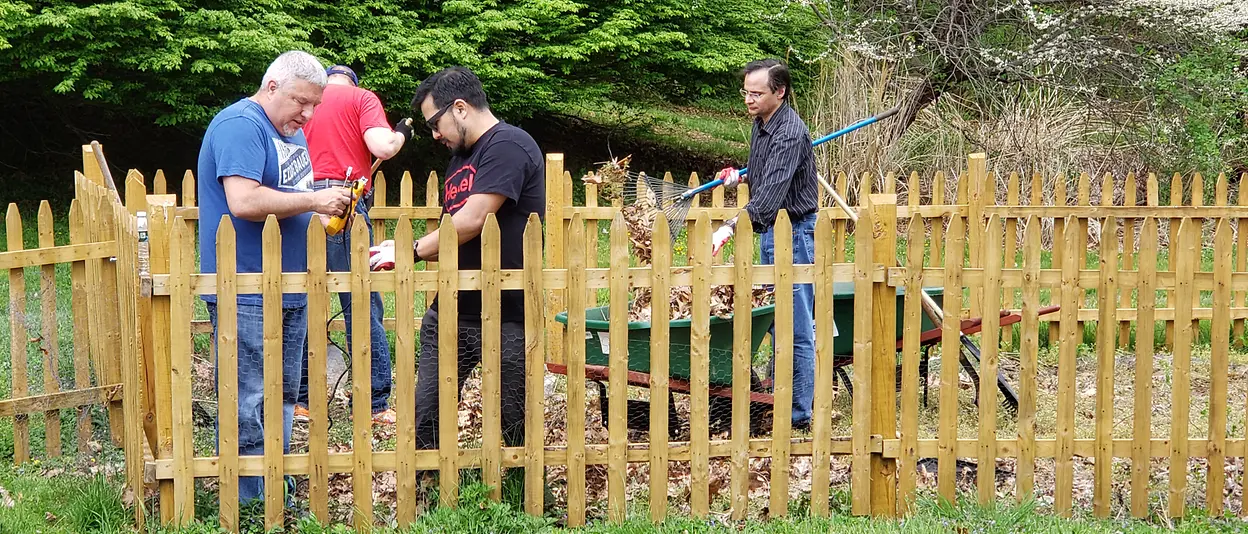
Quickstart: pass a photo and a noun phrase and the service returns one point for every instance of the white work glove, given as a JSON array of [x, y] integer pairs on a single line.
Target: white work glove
[[730, 176], [381, 257], [720, 238]]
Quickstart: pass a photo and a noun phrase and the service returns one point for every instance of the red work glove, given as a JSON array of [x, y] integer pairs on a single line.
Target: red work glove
[[381, 257], [730, 176]]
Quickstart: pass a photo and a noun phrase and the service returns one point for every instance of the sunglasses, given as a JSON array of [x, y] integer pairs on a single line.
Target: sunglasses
[[432, 123]]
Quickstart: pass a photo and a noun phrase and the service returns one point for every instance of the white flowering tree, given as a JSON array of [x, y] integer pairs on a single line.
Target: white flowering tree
[[1117, 50]]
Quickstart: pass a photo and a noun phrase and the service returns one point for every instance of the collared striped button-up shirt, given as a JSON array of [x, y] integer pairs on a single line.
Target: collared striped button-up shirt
[[781, 169]]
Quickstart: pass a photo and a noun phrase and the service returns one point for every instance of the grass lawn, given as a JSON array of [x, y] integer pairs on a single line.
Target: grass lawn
[[32, 503]]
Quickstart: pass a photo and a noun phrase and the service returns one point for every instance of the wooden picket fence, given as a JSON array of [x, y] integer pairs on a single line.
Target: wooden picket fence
[[101, 259], [982, 244]]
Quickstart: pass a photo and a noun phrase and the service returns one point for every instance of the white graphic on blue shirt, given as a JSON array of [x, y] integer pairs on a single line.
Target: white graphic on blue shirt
[[295, 166]]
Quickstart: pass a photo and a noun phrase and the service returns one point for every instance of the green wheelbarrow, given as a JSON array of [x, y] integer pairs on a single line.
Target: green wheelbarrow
[[598, 354], [597, 349]]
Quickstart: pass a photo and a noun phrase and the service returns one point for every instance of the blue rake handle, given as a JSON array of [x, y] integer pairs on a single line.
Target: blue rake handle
[[864, 122]]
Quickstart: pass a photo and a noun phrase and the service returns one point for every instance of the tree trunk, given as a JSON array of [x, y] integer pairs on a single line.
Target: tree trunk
[[922, 95]]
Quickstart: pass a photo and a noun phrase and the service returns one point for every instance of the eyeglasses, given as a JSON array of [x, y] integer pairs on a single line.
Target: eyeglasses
[[432, 123], [751, 95]]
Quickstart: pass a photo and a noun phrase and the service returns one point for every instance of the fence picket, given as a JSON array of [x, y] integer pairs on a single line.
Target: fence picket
[[1071, 298], [18, 340], [913, 326], [1176, 199], [938, 225], [860, 474], [318, 358], [824, 377], [448, 368], [534, 368], [1220, 344], [1185, 267], [576, 370], [743, 260], [841, 225], [1084, 197], [1145, 327], [950, 351], [1241, 256], [271, 292], [618, 424], [361, 381], [160, 223], [491, 359], [50, 347], [1029, 348], [1011, 254], [128, 312], [405, 344], [782, 390], [379, 201], [1106, 325], [110, 356], [181, 264], [1058, 254], [78, 300], [1197, 198], [700, 366], [227, 374], [661, 263], [1128, 256], [987, 478], [432, 186], [977, 189]]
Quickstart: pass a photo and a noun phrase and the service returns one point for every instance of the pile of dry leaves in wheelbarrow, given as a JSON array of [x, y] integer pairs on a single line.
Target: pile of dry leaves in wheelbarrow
[[615, 181]]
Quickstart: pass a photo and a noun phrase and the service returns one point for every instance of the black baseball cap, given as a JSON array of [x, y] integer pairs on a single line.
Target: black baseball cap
[[344, 70]]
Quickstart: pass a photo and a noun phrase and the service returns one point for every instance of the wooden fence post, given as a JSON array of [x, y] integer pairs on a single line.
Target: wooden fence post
[[555, 234], [884, 355], [156, 355], [136, 201]]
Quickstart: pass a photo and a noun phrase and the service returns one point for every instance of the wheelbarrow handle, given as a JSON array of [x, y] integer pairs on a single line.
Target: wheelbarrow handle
[[930, 308]]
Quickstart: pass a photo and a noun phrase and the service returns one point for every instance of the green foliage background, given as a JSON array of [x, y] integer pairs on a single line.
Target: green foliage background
[[177, 62]]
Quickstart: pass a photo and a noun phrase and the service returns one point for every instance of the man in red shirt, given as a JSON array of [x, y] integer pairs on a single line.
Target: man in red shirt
[[348, 130]]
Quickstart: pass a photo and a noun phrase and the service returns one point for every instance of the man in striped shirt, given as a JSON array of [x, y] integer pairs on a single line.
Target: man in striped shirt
[[782, 177]]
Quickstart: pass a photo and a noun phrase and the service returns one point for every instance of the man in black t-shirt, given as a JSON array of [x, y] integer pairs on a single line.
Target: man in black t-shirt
[[495, 168]]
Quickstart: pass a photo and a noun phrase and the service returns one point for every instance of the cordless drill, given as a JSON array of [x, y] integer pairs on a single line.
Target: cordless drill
[[337, 223]]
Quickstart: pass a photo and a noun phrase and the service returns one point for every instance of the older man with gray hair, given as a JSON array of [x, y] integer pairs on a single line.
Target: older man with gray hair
[[254, 163]]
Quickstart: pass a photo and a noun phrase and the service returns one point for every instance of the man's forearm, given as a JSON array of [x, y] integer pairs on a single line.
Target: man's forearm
[[467, 227], [258, 203]]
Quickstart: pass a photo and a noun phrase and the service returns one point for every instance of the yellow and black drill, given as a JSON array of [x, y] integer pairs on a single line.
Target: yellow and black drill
[[336, 224]]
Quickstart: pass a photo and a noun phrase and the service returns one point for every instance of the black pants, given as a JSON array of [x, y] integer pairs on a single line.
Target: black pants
[[511, 377]]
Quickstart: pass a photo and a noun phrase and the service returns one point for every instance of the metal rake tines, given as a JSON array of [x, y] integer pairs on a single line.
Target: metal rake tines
[[658, 195], [640, 186]]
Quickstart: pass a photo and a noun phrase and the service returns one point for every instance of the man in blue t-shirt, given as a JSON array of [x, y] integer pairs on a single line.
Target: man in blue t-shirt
[[254, 162]]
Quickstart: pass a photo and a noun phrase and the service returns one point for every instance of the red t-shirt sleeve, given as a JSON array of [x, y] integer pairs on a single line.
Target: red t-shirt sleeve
[[372, 115]]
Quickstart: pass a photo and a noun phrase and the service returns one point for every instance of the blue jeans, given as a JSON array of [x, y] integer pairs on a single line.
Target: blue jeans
[[251, 381], [338, 258], [803, 315]]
